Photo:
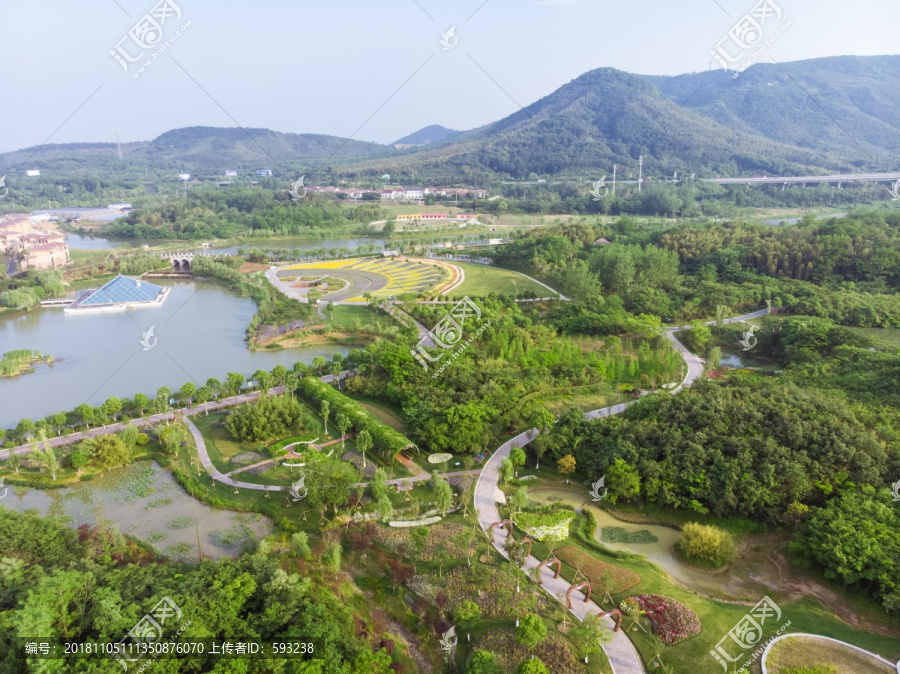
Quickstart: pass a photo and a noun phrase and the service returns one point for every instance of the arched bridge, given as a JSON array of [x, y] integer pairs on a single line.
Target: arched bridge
[[184, 261]]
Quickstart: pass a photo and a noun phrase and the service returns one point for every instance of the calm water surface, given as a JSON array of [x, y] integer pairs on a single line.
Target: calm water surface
[[145, 501], [200, 332]]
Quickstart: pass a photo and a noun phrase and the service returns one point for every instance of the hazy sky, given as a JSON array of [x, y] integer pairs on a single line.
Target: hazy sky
[[373, 70]]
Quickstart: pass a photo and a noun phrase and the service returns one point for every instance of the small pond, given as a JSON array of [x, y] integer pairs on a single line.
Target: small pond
[[743, 360], [145, 501], [658, 552]]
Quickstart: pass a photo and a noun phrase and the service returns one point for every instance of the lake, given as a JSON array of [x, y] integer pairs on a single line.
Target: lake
[[200, 332], [145, 501]]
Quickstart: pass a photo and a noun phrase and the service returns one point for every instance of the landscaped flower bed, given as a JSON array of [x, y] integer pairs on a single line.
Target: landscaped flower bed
[[439, 458], [672, 620], [541, 526], [594, 569]]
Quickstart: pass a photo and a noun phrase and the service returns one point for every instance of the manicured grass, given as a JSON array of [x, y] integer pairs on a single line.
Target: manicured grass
[[383, 412], [481, 280], [801, 652], [357, 318]]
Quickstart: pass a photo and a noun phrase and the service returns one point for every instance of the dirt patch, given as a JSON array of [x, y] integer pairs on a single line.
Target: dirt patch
[[792, 581], [250, 267]]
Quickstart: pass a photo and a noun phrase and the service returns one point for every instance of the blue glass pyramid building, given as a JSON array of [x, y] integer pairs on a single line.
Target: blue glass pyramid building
[[121, 293]]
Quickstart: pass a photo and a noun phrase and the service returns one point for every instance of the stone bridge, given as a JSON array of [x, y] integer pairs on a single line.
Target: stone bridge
[[184, 261]]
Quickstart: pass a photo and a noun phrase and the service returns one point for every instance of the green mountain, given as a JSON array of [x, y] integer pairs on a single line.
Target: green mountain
[[199, 150], [607, 117], [815, 116], [429, 135], [843, 104]]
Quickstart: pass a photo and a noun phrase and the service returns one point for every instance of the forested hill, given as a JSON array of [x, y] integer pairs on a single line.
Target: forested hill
[[428, 135], [830, 114], [607, 117], [844, 104], [197, 149]]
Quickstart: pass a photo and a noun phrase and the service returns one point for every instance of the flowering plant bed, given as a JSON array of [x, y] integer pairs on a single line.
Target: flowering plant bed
[[439, 458], [541, 526], [594, 569], [672, 620]]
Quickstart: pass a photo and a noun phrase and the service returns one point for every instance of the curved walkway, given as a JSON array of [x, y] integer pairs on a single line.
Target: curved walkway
[[623, 656]]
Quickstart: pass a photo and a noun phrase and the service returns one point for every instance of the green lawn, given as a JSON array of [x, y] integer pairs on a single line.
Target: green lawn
[[357, 318], [383, 412], [482, 280]]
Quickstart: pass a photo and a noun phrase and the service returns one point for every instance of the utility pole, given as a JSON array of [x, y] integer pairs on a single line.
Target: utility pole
[[615, 166], [640, 172]]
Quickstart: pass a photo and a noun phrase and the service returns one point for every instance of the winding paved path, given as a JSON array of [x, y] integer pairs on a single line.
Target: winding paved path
[[622, 654]]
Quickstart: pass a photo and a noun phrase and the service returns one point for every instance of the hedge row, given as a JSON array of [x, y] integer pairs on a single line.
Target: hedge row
[[384, 438]]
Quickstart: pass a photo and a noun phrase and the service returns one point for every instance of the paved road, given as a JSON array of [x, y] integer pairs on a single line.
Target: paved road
[[424, 333], [832, 178], [155, 419], [622, 654]]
